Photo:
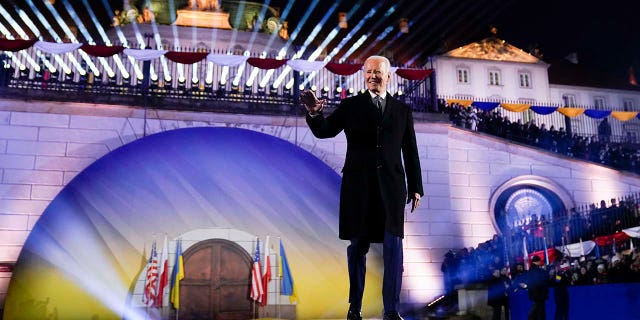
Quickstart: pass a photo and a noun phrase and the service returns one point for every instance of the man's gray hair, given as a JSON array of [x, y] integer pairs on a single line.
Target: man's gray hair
[[385, 62]]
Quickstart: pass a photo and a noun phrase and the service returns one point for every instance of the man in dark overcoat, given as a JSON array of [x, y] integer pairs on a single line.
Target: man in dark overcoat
[[380, 138]]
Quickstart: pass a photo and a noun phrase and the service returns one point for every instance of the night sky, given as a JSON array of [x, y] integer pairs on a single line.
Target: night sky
[[604, 34]]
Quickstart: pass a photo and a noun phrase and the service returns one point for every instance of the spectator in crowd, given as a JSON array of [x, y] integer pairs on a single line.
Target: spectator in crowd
[[497, 298], [560, 282], [537, 285], [604, 131]]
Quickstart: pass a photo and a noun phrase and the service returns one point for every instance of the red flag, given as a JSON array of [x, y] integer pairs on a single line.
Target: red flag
[[150, 281], [163, 272], [266, 271], [256, 278], [632, 77]]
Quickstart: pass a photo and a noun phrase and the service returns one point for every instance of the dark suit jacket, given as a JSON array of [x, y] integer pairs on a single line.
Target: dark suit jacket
[[374, 192], [538, 284]]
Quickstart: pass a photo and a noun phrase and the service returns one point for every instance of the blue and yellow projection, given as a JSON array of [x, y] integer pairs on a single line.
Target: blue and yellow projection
[[84, 255]]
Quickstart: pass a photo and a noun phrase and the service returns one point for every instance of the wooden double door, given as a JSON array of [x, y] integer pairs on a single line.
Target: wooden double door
[[217, 280]]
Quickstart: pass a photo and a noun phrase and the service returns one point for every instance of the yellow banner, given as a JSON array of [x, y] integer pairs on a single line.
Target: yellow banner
[[516, 107], [571, 112], [464, 103], [624, 115]]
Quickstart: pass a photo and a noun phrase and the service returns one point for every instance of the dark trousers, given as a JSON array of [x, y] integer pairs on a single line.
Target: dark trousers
[[538, 311], [497, 311], [392, 278], [562, 310]]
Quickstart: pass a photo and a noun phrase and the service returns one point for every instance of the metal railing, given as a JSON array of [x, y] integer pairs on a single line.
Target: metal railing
[[120, 78]]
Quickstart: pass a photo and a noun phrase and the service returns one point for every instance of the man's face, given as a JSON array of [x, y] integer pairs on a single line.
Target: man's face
[[376, 75]]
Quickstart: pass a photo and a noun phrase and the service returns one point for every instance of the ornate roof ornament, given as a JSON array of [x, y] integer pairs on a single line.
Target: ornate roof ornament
[[492, 48]]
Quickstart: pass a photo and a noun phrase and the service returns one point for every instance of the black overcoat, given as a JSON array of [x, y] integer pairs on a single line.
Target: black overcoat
[[373, 193]]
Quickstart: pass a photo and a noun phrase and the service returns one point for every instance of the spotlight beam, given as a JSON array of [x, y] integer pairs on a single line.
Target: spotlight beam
[[158, 39], [363, 38], [99, 27], [301, 23], [485, 10], [56, 38], [8, 34], [310, 38], [22, 34], [420, 16], [353, 32], [232, 43], [281, 54], [141, 45], [283, 16], [123, 40], [331, 36], [387, 30], [176, 37], [70, 35], [87, 36], [236, 22], [13, 23], [254, 34]]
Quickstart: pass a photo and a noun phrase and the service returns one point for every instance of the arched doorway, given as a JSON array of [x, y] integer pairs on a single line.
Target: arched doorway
[[216, 282]]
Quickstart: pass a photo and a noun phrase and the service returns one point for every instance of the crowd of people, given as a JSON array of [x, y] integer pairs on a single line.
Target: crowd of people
[[469, 265], [499, 263], [572, 226], [599, 148], [485, 265]]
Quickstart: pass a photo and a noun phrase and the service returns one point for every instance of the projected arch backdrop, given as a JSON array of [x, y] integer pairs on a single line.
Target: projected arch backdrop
[[86, 251]]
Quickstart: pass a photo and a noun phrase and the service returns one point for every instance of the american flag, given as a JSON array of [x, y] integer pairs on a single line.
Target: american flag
[[150, 282], [256, 278]]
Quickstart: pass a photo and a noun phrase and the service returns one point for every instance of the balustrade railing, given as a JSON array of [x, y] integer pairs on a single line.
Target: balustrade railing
[[118, 76]]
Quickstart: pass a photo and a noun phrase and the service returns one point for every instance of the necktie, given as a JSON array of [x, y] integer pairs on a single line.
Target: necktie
[[378, 102]]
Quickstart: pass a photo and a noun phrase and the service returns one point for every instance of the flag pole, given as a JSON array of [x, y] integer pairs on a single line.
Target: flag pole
[[253, 302], [278, 282]]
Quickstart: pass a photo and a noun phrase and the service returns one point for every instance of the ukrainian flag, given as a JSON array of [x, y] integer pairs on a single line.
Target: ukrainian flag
[[177, 275], [284, 272]]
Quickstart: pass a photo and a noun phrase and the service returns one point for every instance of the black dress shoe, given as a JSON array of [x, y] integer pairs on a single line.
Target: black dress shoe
[[354, 315], [392, 316]]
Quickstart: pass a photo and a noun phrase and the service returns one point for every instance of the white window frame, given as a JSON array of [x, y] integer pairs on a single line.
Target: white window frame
[[599, 102], [462, 75], [495, 78], [628, 104], [525, 79], [569, 100]]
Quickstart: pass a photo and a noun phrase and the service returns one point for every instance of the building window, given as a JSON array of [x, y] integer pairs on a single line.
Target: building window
[[628, 104], [463, 75], [525, 79], [599, 103], [494, 78], [569, 100]]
